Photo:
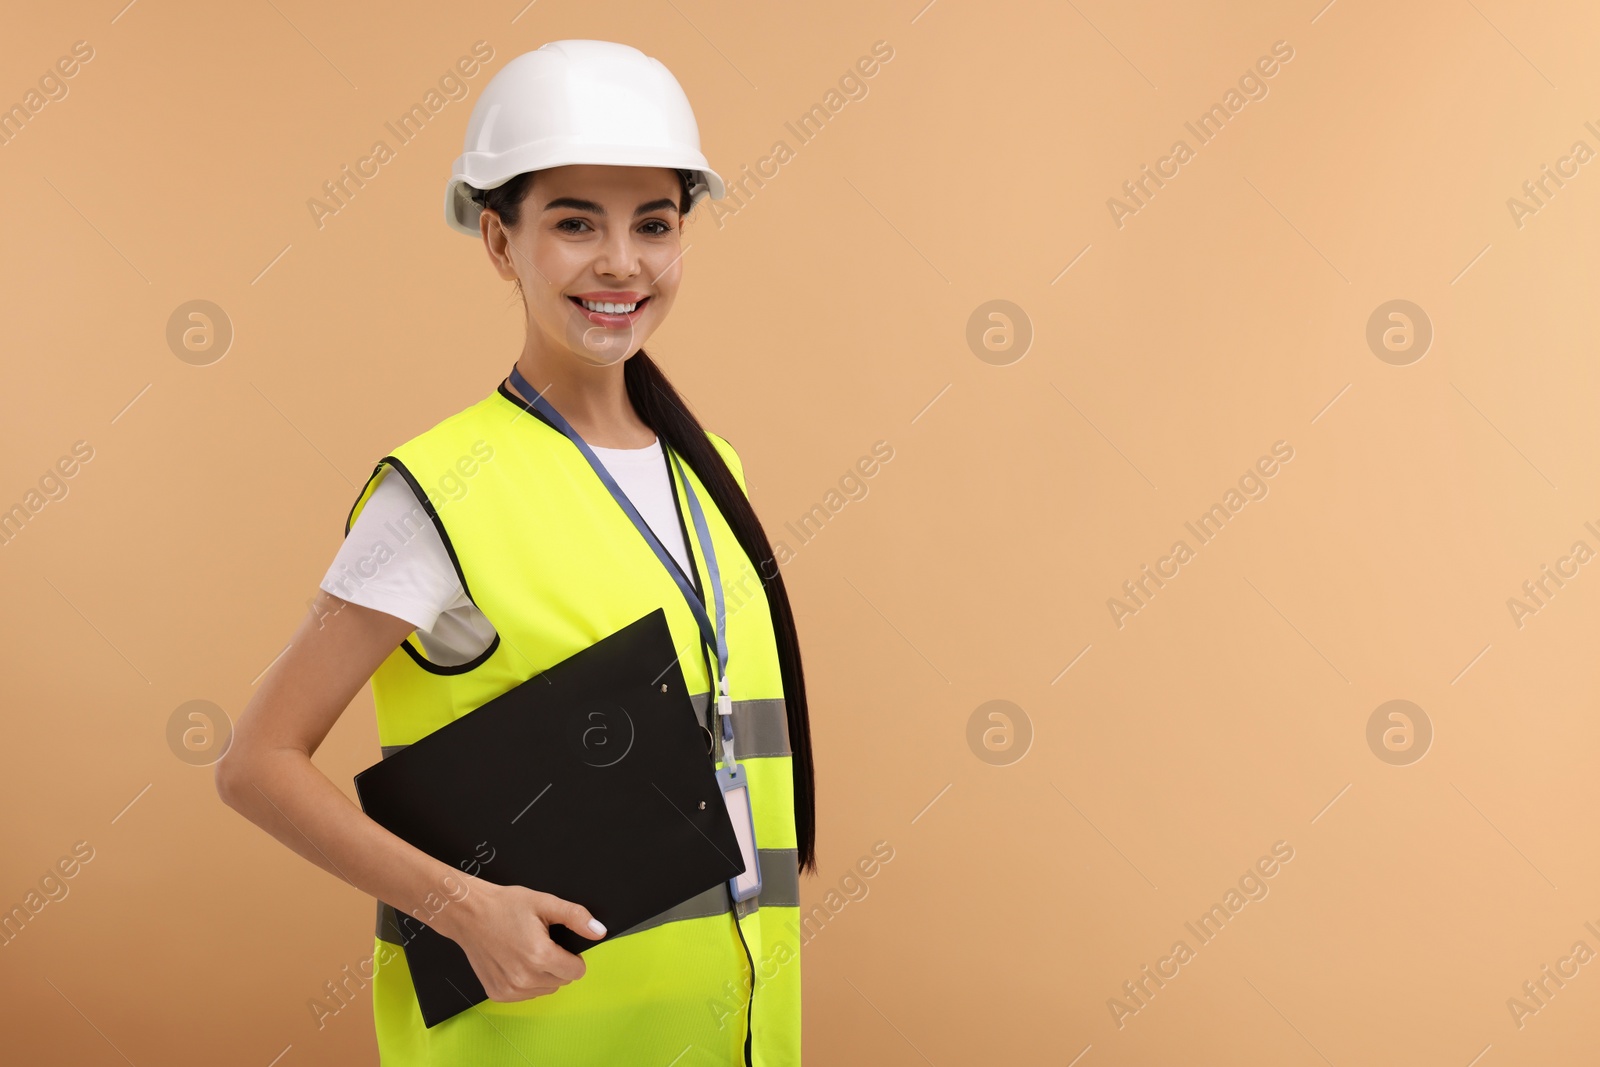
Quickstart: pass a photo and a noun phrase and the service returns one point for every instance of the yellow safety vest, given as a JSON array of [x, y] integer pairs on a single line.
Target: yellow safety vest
[[548, 556]]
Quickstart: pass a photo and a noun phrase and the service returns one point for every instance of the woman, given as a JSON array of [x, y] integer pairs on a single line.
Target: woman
[[494, 537]]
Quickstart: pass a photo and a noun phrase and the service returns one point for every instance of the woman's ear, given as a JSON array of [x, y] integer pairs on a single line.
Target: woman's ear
[[496, 242]]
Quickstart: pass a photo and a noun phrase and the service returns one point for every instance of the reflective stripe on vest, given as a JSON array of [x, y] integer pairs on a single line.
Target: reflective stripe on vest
[[780, 878], [554, 564]]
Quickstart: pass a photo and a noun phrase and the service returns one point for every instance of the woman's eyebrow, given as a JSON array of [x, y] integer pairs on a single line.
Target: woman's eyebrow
[[665, 203]]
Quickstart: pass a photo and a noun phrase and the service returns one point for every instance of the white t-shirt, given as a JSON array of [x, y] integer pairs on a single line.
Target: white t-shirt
[[418, 583]]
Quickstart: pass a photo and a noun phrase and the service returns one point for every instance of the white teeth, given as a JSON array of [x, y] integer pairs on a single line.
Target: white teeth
[[610, 308]]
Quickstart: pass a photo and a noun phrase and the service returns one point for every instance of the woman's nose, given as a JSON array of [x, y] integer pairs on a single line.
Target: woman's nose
[[619, 256]]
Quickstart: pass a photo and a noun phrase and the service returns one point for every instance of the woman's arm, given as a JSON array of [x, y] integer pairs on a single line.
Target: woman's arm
[[268, 777]]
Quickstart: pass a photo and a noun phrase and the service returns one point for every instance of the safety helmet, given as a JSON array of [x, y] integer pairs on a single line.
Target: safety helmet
[[576, 102]]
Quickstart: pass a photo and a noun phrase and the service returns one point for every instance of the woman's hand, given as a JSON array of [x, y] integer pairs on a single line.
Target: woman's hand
[[505, 932]]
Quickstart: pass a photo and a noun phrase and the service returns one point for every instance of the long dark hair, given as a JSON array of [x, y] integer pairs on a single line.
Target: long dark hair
[[665, 412]]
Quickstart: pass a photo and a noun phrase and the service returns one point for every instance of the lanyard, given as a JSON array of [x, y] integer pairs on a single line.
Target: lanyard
[[715, 637]]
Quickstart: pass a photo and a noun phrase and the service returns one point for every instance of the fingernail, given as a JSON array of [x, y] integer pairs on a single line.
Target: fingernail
[[597, 927]]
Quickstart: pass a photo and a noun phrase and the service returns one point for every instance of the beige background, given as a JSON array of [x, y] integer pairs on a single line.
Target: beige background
[[829, 312]]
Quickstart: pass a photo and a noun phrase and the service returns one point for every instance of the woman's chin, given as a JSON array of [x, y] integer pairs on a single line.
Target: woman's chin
[[602, 346]]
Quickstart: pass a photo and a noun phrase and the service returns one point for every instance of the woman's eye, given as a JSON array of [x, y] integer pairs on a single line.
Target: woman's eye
[[652, 228]]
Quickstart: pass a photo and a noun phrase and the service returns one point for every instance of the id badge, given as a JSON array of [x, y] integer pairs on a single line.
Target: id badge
[[736, 795]]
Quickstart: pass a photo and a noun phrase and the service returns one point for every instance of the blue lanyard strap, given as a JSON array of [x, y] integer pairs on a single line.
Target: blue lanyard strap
[[715, 637], [702, 534]]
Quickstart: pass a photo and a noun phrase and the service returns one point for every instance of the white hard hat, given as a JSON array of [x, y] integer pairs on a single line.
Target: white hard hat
[[576, 102]]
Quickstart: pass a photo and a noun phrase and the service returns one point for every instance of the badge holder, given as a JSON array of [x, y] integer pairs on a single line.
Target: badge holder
[[736, 795]]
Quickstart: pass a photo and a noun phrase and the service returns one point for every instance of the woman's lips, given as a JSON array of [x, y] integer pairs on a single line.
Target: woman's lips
[[600, 318]]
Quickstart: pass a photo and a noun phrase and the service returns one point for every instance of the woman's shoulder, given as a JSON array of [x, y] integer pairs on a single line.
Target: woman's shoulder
[[729, 456]]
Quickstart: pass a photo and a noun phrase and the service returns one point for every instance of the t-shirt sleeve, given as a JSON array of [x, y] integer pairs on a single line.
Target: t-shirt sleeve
[[393, 560]]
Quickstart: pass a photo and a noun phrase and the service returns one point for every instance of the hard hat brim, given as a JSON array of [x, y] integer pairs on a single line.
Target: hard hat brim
[[483, 170]]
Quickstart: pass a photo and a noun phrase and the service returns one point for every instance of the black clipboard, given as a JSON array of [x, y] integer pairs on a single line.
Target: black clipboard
[[592, 781]]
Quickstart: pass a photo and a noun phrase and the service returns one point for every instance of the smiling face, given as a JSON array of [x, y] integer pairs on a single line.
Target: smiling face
[[597, 251]]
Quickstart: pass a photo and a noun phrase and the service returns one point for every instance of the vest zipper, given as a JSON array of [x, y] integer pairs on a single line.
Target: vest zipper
[[750, 998]]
